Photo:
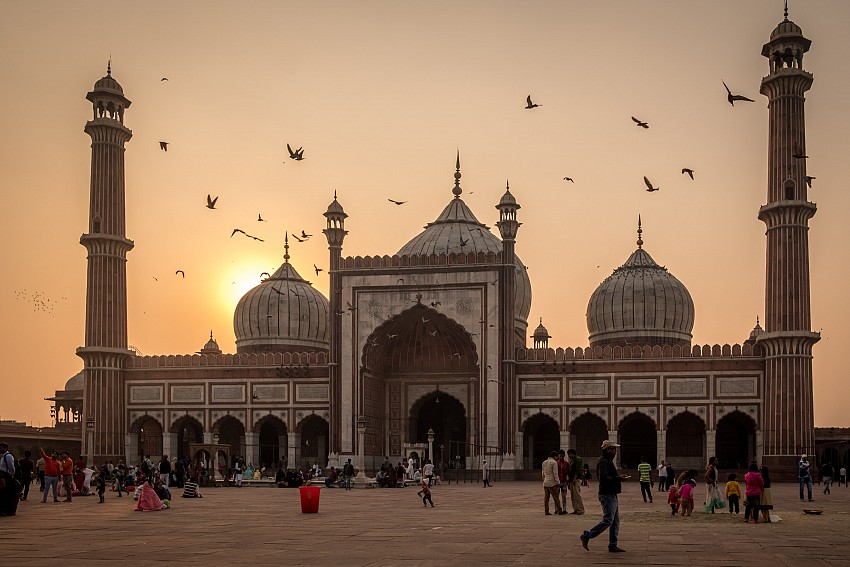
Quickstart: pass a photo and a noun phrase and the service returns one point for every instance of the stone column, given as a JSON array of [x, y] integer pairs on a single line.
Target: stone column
[[131, 444], [293, 453], [251, 453], [662, 447], [710, 443], [565, 440], [612, 436], [169, 444]]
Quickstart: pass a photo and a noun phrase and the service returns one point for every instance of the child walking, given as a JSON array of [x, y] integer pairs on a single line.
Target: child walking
[[766, 501], [673, 500], [425, 493], [733, 494], [686, 493], [755, 484], [100, 482]]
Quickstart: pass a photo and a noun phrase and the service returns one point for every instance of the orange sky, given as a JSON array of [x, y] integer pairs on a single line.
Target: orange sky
[[380, 94]]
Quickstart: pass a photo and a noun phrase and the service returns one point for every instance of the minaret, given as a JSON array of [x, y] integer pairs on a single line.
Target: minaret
[[508, 227], [105, 350], [335, 233], [788, 422]]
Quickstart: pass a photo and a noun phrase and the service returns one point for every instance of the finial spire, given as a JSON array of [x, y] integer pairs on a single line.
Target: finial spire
[[211, 334], [640, 231], [456, 191], [286, 247], [109, 66], [786, 10], [334, 194]]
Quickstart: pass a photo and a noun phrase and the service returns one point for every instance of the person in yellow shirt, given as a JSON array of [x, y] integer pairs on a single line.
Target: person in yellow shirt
[[733, 494]]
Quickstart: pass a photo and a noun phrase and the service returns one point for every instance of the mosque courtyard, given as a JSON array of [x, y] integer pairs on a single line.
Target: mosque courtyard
[[470, 525]]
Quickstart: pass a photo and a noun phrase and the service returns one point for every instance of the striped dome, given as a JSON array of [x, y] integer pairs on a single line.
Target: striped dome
[[282, 314], [641, 303]]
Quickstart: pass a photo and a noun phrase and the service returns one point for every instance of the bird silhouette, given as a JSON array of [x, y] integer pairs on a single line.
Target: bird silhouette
[[268, 275], [733, 97], [529, 105], [809, 179], [799, 155], [350, 307], [463, 242], [163, 79], [570, 179], [392, 336], [181, 272], [163, 146], [433, 333], [689, 171], [305, 236], [649, 186], [317, 268], [434, 304], [640, 123], [424, 320], [211, 202], [297, 155], [260, 218], [396, 202], [235, 230], [298, 239]]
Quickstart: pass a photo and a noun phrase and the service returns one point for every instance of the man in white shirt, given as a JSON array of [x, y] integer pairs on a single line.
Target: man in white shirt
[[551, 484], [429, 472], [662, 477]]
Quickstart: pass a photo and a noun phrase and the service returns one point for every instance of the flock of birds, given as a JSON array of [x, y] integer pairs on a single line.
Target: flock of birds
[[38, 300]]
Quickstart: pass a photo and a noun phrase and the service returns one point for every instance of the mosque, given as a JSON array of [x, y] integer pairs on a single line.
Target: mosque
[[426, 351]]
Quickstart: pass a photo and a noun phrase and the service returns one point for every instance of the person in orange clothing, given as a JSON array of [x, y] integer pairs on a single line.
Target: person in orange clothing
[[52, 470], [67, 475]]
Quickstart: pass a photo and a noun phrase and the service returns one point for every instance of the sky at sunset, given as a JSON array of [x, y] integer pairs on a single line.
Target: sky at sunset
[[381, 94]]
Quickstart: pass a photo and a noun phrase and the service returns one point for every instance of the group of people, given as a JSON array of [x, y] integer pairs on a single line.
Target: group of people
[[563, 473]]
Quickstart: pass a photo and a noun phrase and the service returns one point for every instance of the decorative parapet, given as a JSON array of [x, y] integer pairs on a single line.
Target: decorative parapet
[[242, 359], [644, 352], [412, 261]]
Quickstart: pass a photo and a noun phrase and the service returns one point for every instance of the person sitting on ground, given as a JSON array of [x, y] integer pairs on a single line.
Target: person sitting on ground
[[332, 478], [280, 478], [190, 489], [381, 478], [148, 500]]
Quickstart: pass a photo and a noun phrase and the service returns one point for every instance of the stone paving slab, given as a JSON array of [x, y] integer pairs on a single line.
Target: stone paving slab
[[470, 525]]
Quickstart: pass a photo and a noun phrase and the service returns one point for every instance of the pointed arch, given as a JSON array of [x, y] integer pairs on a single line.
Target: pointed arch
[[541, 435], [588, 431], [638, 438], [735, 440], [189, 431]]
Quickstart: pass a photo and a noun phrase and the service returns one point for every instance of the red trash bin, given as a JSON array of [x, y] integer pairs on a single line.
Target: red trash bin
[[310, 499]]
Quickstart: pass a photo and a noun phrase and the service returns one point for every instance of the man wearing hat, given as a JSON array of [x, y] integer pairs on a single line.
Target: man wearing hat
[[805, 473], [609, 487]]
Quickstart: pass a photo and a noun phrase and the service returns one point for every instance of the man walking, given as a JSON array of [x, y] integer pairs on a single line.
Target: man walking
[[574, 478], [645, 478], [662, 477], [827, 472], [164, 470], [610, 484], [27, 467], [805, 475], [485, 474], [550, 484], [347, 473], [842, 476]]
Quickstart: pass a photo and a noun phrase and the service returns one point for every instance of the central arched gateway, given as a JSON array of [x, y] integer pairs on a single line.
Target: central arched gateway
[[419, 370]]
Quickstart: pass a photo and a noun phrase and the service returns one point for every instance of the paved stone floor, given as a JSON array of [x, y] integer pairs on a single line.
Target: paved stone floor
[[470, 525]]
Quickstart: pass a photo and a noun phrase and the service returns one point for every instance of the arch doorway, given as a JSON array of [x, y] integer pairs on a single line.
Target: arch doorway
[[540, 436], [446, 416], [150, 439], [638, 438], [686, 442], [272, 440], [314, 442], [188, 431], [587, 433], [231, 432], [735, 441]]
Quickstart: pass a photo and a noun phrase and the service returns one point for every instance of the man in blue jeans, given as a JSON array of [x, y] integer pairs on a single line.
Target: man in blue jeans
[[610, 484], [805, 476]]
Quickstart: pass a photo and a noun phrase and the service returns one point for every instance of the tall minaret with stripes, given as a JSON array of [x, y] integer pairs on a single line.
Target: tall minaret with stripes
[[105, 351], [788, 421]]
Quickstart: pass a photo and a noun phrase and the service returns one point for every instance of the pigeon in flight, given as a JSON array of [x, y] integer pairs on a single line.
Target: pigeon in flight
[[304, 235], [317, 268], [434, 304], [733, 97], [529, 105], [298, 239], [211, 202], [163, 79], [463, 242], [809, 180], [396, 202], [259, 216], [181, 272], [268, 275], [640, 123], [799, 155], [163, 146], [235, 230], [297, 155], [570, 179], [649, 186], [689, 171]]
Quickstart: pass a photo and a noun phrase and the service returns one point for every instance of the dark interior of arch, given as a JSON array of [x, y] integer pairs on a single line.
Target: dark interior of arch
[[735, 441], [637, 438], [590, 431], [446, 416], [541, 436]]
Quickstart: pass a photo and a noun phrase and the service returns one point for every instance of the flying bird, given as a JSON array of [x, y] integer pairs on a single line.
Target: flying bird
[[163, 146], [163, 79], [350, 307], [529, 105], [392, 336], [211, 202], [640, 123], [799, 155], [424, 320], [649, 186], [181, 272], [689, 171], [305, 236], [268, 275], [809, 180], [434, 304], [298, 239], [433, 333], [570, 179], [396, 202], [733, 97], [317, 268], [259, 217], [235, 230], [463, 242], [297, 155]]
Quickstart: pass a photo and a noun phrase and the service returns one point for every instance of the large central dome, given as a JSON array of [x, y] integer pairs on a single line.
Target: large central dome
[[457, 231], [641, 303]]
